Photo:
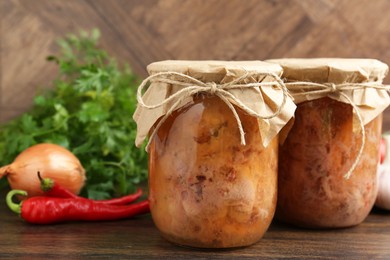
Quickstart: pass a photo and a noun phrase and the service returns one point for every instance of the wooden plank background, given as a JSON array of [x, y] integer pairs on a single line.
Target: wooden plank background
[[142, 31]]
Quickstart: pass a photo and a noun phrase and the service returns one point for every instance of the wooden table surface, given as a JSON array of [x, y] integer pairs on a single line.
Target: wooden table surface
[[139, 239]]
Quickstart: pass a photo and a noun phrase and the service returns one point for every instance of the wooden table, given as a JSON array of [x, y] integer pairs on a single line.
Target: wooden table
[[139, 239]]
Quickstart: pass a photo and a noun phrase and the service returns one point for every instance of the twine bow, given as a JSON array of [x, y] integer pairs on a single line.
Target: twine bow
[[311, 88], [191, 86]]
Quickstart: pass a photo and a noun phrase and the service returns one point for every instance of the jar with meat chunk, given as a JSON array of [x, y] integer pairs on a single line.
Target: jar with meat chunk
[[206, 188], [314, 187]]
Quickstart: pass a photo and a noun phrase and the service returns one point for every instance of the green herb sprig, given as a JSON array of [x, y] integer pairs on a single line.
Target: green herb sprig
[[89, 111]]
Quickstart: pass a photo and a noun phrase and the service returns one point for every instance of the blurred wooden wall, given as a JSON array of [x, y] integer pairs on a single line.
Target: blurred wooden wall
[[142, 31]]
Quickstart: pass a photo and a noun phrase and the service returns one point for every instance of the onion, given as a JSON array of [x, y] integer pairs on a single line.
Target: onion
[[52, 161]]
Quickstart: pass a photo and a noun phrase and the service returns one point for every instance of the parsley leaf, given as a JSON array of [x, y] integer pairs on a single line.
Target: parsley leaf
[[89, 111]]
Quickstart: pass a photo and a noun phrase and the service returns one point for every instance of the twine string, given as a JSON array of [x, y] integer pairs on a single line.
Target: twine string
[[311, 88], [191, 86]]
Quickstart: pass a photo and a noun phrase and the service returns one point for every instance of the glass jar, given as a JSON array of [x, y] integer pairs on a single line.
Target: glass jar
[[206, 189], [317, 153], [324, 142], [213, 131]]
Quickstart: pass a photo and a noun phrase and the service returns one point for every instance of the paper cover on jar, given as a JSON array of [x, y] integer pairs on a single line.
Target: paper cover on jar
[[254, 86], [360, 81]]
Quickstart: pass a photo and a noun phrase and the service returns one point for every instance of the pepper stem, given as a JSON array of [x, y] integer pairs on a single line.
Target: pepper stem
[[46, 183], [15, 207]]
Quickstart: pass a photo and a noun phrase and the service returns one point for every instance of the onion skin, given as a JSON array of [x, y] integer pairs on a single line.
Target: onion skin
[[52, 161]]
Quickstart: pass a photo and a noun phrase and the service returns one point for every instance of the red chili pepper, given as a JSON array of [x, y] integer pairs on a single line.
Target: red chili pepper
[[49, 210], [53, 189], [382, 150]]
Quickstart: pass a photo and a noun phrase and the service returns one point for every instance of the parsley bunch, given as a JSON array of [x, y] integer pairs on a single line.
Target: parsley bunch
[[89, 111]]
